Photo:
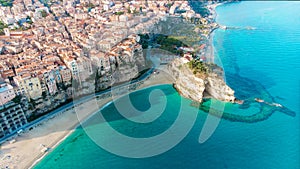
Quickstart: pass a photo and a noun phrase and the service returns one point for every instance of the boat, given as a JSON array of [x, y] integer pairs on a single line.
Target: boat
[[223, 27], [259, 100], [277, 105], [250, 28], [238, 101]]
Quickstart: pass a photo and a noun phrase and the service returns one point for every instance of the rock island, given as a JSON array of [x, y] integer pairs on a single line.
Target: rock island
[[195, 79]]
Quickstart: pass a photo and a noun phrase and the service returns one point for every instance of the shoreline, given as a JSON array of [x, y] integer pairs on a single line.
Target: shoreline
[[29, 153], [40, 158], [107, 101], [60, 140], [210, 52], [26, 151]]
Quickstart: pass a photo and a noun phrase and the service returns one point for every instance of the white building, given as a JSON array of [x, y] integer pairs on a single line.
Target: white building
[[6, 93]]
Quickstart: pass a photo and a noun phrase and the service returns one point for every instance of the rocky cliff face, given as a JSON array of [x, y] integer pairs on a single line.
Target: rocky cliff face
[[186, 83], [128, 66], [217, 88], [191, 86], [123, 68]]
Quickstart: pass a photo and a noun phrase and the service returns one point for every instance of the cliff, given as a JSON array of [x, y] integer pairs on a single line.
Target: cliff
[[194, 85], [122, 68]]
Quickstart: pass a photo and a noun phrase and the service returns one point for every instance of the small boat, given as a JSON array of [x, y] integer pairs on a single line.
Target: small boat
[[259, 100], [250, 28], [239, 101], [277, 105], [223, 27]]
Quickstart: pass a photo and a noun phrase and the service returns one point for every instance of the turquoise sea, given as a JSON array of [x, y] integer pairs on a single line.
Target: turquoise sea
[[263, 62]]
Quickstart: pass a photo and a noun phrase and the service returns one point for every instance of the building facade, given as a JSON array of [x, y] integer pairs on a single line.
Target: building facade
[[6, 93], [12, 118], [28, 86]]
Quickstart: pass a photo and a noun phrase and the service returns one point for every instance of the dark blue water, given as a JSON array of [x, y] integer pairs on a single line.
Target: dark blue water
[[260, 63]]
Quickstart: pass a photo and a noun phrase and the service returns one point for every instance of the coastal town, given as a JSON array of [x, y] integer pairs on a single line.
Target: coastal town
[[63, 60], [53, 51], [45, 47]]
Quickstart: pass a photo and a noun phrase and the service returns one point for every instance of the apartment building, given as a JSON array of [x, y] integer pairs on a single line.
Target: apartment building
[[65, 74], [12, 118], [49, 81], [28, 85]]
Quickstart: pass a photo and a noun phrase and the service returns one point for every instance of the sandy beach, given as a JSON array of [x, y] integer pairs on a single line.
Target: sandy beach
[[27, 150], [209, 52]]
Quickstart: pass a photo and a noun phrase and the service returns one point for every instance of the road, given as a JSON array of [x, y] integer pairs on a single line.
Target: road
[[71, 104]]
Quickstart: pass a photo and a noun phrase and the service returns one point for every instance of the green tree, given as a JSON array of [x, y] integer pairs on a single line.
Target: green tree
[[2, 26], [6, 3], [91, 5], [169, 5], [135, 12], [119, 13], [44, 13]]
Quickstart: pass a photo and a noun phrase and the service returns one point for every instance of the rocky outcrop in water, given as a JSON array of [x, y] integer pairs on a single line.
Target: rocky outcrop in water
[[194, 85]]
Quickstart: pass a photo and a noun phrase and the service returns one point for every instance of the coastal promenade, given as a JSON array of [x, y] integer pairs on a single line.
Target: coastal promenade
[[48, 131], [70, 105]]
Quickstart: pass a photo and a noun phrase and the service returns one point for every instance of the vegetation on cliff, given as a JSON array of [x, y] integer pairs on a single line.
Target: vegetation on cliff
[[163, 42], [201, 69], [144, 40], [169, 44], [198, 66], [199, 7], [181, 29], [195, 79], [174, 32]]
